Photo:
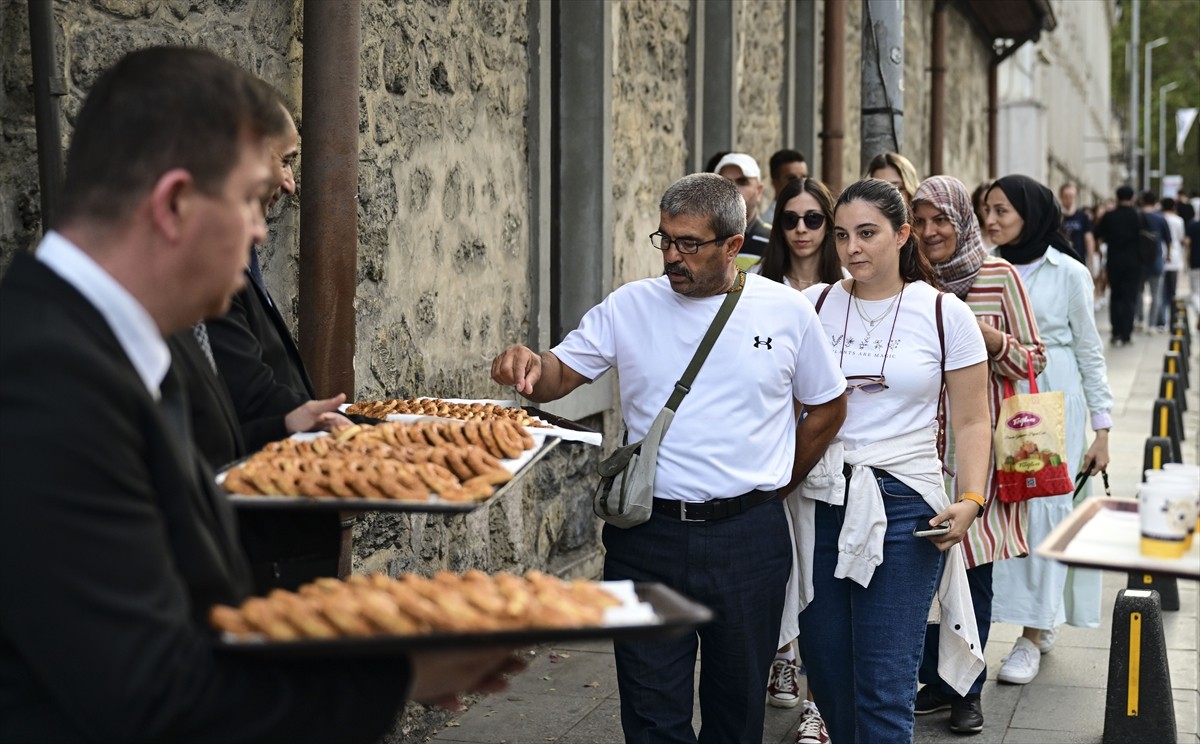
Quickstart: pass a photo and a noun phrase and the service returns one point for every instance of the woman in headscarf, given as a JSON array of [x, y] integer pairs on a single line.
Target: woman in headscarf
[[948, 234], [1024, 221]]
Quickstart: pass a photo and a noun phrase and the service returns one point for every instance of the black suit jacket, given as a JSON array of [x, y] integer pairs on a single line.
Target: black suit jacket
[[260, 364], [215, 429], [112, 549]]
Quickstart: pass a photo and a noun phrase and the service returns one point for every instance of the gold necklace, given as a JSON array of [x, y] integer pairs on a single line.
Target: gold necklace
[[797, 283]]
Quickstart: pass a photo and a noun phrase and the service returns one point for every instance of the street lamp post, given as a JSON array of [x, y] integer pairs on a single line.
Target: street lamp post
[[1150, 45], [1163, 90]]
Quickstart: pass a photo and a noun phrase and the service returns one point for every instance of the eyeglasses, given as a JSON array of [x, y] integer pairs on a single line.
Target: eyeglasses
[[868, 384], [812, 220], [663, 242]]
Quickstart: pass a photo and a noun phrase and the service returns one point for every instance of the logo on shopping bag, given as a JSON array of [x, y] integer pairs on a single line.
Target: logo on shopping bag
[[1023, 420]]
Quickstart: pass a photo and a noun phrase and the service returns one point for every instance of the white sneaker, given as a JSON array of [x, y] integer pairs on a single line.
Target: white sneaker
[[1046, 642], [783, 689], [1020, 665]]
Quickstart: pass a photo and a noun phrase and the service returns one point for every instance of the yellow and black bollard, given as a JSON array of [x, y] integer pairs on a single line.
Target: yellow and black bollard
[[1139, 706]]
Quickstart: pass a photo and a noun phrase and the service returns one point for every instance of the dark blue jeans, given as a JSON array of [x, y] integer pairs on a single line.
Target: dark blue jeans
[[980, 581], [739, 568], [862, 646]]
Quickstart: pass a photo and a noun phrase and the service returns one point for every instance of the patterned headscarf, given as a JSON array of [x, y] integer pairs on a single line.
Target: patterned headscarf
[[948, 195]]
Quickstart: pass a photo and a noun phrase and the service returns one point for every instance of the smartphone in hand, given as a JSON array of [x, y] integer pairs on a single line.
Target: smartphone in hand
[[939, 529]]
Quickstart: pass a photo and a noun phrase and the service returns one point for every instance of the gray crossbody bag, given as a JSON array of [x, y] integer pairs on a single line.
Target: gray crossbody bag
[[625, 494]]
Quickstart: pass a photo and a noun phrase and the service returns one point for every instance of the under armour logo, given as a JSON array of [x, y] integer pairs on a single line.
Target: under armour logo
[[758, 343]]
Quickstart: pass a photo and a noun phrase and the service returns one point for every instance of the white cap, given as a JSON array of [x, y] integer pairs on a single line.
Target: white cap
[[747, 164]]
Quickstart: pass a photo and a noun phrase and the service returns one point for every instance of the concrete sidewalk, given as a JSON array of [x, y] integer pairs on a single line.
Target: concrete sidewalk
[[569, 695]]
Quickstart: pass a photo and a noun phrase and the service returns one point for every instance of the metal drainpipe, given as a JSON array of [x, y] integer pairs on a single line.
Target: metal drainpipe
[[833, 116], [937, 91], [329, 218], [47, 86]]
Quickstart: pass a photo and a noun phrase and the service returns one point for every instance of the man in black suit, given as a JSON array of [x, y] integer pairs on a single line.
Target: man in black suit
[[252, 346], [272, 396], [113, 542]]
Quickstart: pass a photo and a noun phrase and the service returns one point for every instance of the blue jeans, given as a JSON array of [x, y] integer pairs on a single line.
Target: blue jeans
[[739, 568], [862, 646], [980, 581]]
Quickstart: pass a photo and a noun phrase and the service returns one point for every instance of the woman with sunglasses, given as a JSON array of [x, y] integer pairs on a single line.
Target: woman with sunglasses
[[875, 574], [801, 251], [800, 254], [1024, 220], [948, 235]]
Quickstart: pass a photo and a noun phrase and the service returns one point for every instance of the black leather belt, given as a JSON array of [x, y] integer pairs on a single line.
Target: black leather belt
[[707, 511]]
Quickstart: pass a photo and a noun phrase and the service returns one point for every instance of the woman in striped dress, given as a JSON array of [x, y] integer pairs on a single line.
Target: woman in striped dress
[[948, 234]]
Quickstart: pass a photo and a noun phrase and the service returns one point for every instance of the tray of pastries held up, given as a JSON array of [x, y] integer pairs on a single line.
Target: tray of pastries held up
[[367, 615], [535, 420], [426, 465]]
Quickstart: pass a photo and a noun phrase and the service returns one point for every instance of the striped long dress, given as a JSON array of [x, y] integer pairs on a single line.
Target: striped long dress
[[998, 298]]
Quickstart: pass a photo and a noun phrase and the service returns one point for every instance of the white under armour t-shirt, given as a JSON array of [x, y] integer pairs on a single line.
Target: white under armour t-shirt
[[913, 368], [733, 432]]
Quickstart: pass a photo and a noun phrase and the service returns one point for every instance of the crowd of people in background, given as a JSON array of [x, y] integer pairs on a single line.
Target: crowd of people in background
[[1031, 270], [825, 493]]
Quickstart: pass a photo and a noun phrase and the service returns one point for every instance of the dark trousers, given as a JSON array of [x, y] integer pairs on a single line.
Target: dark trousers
[[1125, 284], [980, 581], [739, 568], [1165, 311]]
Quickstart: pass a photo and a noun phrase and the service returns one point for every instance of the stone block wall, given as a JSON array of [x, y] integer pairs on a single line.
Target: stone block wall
[[649, 105], [760, 60]]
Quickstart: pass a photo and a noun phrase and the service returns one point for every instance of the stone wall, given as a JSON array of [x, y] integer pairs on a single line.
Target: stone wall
[[649, 105], [759, 64], [965, 134]]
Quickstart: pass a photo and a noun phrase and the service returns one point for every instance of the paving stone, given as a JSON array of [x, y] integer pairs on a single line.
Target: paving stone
[[1059, 708], [1041, 736], [1069, 666], [519, 719], [1187, 710], [601, 726]]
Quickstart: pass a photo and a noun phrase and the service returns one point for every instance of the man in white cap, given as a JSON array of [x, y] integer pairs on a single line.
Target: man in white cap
[[743, 171]]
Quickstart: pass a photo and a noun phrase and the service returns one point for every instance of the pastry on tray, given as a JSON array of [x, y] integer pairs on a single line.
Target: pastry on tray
[[444, 409], [378, 605], [457, 461]]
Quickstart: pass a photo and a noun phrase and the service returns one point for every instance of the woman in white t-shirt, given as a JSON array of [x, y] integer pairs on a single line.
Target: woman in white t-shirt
[[873, 579], [800, 253]]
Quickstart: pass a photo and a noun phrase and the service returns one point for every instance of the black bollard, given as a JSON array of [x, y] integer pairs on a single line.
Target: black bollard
[[1158, 450], [1165, 422], [1166, 586], [1179, 345], [1173, 365], [1139, 705], [1171, 388]]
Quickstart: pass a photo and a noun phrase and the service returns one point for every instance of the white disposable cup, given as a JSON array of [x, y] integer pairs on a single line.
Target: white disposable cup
[[1166, 510]]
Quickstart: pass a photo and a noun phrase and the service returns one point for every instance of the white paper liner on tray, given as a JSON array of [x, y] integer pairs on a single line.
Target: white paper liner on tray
[[570, 435], [632, 612], [1111, 539], [512, 466]]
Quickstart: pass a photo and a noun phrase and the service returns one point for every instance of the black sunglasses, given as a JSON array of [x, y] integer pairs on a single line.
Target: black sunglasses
[[812, 220]]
